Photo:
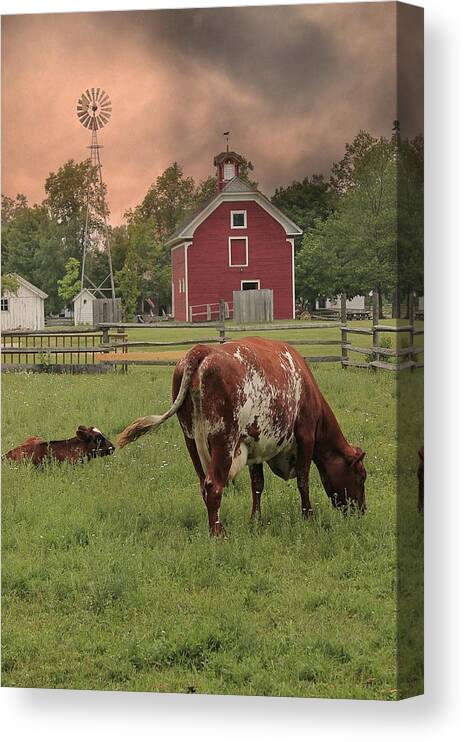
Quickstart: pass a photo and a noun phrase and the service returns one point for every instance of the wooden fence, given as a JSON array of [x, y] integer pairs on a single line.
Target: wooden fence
[[377, 356], [253, 306], [108, 346], [57, 351]]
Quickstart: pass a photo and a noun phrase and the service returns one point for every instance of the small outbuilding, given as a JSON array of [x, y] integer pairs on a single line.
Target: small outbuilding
[[83, 308], [23, 309]]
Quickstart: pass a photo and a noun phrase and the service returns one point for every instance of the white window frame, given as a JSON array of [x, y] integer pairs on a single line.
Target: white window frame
[[250, 280], [244, 212], [239, 265], [233, 169], [5, 301]]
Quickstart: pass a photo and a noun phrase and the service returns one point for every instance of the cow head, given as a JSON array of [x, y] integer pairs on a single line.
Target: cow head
[[344, 477], [97, 444]]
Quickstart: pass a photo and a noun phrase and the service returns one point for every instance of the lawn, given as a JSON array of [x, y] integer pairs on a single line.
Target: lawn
[[110, 580]]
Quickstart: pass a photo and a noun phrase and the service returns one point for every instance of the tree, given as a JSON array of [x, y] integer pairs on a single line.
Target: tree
[[374, 235], [167, 200], [146, 272], [10, 284], [305, 202], [70, 284]]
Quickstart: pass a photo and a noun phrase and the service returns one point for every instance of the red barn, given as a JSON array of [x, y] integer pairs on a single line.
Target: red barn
[[238, 241]]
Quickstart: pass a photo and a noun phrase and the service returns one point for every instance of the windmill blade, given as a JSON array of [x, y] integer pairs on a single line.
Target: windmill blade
[[94, 108]]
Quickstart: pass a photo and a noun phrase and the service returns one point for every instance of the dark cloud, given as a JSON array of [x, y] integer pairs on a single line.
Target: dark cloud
[[292, 83]]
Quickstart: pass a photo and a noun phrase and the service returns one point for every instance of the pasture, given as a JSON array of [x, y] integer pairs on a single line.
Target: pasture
[[111, 581]]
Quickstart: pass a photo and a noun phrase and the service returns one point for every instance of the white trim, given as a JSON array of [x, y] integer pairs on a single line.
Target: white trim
[[291, 241], [239, 265], [186, 287], [251, 280], [235, 211], [188, 232]]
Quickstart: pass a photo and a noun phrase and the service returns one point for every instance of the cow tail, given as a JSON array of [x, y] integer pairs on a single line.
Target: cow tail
[[143, 425]]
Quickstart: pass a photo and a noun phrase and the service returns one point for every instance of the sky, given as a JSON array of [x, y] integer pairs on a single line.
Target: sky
[[292, 84]]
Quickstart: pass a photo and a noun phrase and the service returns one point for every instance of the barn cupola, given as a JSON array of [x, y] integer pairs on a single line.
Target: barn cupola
[[227, 167]]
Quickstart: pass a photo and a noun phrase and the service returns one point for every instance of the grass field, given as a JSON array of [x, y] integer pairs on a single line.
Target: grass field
[[110, 580]]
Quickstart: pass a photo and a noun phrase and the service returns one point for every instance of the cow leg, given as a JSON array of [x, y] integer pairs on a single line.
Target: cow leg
[[215, 482], [304, 459], [193, 453], [258, 482]]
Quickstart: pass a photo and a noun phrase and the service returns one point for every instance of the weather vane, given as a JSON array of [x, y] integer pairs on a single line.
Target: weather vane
[[226, 134]]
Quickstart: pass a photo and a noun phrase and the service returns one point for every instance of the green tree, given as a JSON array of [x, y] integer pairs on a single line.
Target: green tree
[[70, 284], [9, 283], [167, 200], [305, 202], [146, 272], [373, 238]]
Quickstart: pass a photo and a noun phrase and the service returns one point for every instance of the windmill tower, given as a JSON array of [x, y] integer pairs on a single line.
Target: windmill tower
[[94, 111]]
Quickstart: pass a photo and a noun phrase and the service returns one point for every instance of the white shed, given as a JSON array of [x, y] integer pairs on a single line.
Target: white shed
[[83, 308], [23, 310], [357, 302]]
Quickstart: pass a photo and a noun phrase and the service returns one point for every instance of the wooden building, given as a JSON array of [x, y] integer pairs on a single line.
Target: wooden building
[[24, 308], [83, 308], [237, 241]]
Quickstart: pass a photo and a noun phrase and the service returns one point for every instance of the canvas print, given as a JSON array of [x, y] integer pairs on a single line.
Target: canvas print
[[212, 315]]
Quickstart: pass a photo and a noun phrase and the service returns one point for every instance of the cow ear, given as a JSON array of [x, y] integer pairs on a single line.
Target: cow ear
[[359, 456], [83, 434]]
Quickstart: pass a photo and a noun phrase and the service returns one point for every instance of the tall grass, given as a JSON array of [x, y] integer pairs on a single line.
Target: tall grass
[[110, 580]]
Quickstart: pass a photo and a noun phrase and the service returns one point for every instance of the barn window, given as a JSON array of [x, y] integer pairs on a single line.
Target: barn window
[[238, 219], [238, 252], [4, 305], [228, 172]]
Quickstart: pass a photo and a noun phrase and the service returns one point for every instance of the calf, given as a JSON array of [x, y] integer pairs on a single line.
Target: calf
[[89, 443]]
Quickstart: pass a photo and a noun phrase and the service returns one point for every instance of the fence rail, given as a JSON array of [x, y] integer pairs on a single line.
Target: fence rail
[[377, 354], [22, 350], [108, 345]]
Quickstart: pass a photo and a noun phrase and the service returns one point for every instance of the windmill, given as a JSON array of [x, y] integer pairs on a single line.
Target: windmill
[[94, 111]]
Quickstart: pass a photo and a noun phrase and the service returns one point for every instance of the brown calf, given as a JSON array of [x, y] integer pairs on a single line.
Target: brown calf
[[89, 443]]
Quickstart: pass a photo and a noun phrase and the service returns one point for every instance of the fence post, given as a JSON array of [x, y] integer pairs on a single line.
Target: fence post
[[105, 336], [344, 334], [411, 321], [221, 318], [209, 312], [375, 323]]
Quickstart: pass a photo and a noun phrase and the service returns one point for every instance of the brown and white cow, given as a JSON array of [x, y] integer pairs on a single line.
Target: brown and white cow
[[254, 401], [89, 443]]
